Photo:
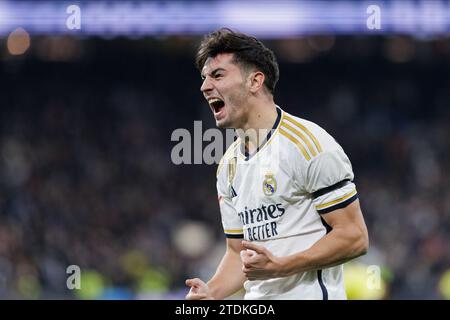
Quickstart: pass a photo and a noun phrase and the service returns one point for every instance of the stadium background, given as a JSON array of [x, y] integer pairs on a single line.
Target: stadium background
[[86, 176]]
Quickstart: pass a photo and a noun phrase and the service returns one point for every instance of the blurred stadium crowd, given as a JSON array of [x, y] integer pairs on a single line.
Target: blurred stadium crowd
[[86, 176]]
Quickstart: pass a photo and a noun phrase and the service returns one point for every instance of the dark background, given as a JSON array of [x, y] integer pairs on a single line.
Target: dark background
[[86, 176]]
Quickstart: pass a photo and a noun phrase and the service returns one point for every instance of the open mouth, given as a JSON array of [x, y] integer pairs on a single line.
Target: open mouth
[[217, 104]]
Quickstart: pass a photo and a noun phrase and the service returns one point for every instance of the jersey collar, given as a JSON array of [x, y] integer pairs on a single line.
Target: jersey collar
[[248, 156]]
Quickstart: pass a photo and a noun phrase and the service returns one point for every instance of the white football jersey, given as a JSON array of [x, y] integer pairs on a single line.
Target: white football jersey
[[276, 197]]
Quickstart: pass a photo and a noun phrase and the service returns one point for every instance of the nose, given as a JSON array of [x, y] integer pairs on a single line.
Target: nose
[[206, 85]]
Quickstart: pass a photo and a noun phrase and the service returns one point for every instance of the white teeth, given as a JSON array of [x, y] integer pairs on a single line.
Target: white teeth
[[214, 100]]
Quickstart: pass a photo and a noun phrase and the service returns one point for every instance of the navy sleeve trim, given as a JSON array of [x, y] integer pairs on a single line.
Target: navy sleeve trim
[[234, 236], [326, 190]]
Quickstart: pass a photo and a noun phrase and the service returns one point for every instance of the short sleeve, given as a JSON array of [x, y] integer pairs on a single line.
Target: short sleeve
[[232, 224], [329, 180]]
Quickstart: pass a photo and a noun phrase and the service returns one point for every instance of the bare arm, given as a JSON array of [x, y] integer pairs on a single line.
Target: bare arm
[[227, 280], [347, 240], [229, 277]]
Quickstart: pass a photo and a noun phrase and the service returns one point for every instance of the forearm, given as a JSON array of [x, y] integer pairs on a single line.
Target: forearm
[[228, 278], [337, 247]]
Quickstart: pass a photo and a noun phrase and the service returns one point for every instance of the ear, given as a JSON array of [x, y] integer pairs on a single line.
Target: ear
[[256, 81]]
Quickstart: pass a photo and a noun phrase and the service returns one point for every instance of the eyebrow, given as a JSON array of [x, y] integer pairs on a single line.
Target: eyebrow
[[214, 72]]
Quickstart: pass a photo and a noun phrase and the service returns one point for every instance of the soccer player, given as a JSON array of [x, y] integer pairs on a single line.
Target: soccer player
[[289, 207]]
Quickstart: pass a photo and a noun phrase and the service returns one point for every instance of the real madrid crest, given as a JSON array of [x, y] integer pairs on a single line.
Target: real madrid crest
[[269, 184]]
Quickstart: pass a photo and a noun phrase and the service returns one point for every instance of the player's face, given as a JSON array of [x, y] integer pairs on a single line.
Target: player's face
[[225, 89]]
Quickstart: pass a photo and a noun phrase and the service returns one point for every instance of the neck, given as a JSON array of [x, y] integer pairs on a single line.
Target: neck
[[260, 121]]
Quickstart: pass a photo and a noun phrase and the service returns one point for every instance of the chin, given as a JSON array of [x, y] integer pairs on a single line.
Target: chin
[[224, 124], [221, 124]]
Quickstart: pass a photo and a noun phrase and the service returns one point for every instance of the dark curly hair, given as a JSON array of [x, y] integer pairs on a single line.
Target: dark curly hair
[[248, 52]]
